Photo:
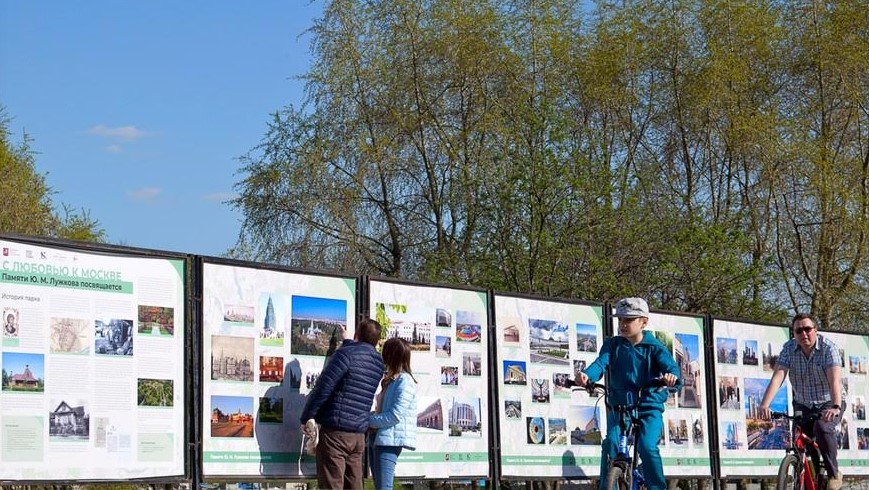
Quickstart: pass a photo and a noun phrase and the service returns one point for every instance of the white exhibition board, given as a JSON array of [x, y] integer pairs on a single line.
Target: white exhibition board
[[745, 354], [546, 430], [853, 436], [93, 364], [684, 443], [264, 338], [447, 330]]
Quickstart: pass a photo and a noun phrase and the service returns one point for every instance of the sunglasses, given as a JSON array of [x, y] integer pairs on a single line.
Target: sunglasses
[[803, 330]]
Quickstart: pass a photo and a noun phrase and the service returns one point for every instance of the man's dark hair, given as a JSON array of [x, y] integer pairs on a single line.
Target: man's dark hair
[[804, 316], [368, 331]]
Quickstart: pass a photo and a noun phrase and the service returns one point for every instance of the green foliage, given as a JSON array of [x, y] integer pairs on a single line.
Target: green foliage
[[707, 154], [27, 205]]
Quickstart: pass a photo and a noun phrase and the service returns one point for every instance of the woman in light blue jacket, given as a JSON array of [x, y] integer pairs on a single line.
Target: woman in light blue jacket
[[395, 419]]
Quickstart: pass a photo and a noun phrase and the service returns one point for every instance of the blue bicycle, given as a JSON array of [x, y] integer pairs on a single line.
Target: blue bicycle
[[624, 472]]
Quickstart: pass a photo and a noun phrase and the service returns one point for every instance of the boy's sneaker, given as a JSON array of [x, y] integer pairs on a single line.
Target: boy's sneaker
[[835, 483]]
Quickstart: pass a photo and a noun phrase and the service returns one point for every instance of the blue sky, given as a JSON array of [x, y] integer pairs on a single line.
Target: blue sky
[[139, 110], [690, 343], [319, 308]]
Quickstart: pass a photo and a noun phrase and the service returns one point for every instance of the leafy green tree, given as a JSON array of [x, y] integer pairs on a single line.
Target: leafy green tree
[[28, 208]]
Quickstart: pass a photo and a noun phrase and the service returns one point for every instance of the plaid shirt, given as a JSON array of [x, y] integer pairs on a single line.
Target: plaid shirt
[[808, 375]]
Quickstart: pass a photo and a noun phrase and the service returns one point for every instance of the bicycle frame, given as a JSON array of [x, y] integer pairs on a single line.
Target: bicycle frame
[[626, 452], [808, 471]]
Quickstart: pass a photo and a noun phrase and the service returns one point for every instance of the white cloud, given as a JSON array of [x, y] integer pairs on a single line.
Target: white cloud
[[114, 149], [121, 133], [144, 194], [219, 196]]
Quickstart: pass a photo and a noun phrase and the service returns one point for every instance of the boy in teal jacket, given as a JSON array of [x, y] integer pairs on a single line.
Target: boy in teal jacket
[[632, 359]]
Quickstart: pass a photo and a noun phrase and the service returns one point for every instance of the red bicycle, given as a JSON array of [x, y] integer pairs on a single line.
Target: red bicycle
[[801, 468]]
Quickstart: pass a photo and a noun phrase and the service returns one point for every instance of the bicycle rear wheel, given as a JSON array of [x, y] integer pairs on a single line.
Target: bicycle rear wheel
[[615, 479], [789, 474]]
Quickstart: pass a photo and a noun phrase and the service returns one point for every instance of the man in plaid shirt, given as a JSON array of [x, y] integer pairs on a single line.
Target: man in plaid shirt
[[814, 366]]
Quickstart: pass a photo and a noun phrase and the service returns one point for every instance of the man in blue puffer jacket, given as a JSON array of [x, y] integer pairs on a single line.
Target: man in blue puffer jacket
[[340, 402], [632, 359]]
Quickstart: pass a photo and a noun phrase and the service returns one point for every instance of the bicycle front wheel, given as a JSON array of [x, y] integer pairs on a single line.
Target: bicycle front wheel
[[615, 479], [789, 474]]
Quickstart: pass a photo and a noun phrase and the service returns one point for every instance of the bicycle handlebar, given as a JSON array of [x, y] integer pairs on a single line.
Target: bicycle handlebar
[[812, 415]]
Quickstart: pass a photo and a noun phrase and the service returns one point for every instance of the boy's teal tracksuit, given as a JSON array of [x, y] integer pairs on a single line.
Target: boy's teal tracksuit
[[630, 367]]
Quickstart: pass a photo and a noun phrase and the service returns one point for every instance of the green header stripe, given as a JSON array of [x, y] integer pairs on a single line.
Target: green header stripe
[[47, 280], [288, 457]]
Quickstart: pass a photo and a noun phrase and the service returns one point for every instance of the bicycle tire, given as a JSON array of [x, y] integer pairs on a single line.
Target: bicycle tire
[[615, 479], [789, 474]]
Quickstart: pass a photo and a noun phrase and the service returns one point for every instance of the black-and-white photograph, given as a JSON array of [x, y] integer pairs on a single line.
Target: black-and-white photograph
[[113, 337], [513, 409], [70, 420]]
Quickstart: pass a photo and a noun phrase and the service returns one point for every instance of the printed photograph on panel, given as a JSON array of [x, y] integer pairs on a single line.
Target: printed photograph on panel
[[858, 408], [471, 364], [271, 369], [232, 358], [539, 390], [549, 342], [430, 415], [678, 432], [686, 352], [697, 436], [584, 423], [449, 375], [156, 321], [69, 421], [113, 337], [513, 409], [558, 432], [749, 353], [729, 393], [511, 330], [271, 410], [231, 416], [667, 340], [770, 356], [23, 372], [69, 336], [271, 332], [725, 350], [443, 346], [535, 430], [515, 373], [561, 385], [857, 365], [732, 435], [10, 322], [240, 315], [155, 392], [469, 326], [317, 325], [863, 438], [586, 337], [464, 418], [843, 437], [412, 325], [764, 434], [443, 318]]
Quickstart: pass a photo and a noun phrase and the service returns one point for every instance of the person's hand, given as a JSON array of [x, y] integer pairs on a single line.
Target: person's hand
[[764, 412], [830, 413], [309, 428], [670, 379], [581, 379]]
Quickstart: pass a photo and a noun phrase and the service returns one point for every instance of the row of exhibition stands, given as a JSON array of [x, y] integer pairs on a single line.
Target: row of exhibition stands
[[127, 364]]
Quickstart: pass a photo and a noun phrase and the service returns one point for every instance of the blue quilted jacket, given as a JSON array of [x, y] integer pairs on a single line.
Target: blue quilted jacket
[[396, 422], [342, 397]]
